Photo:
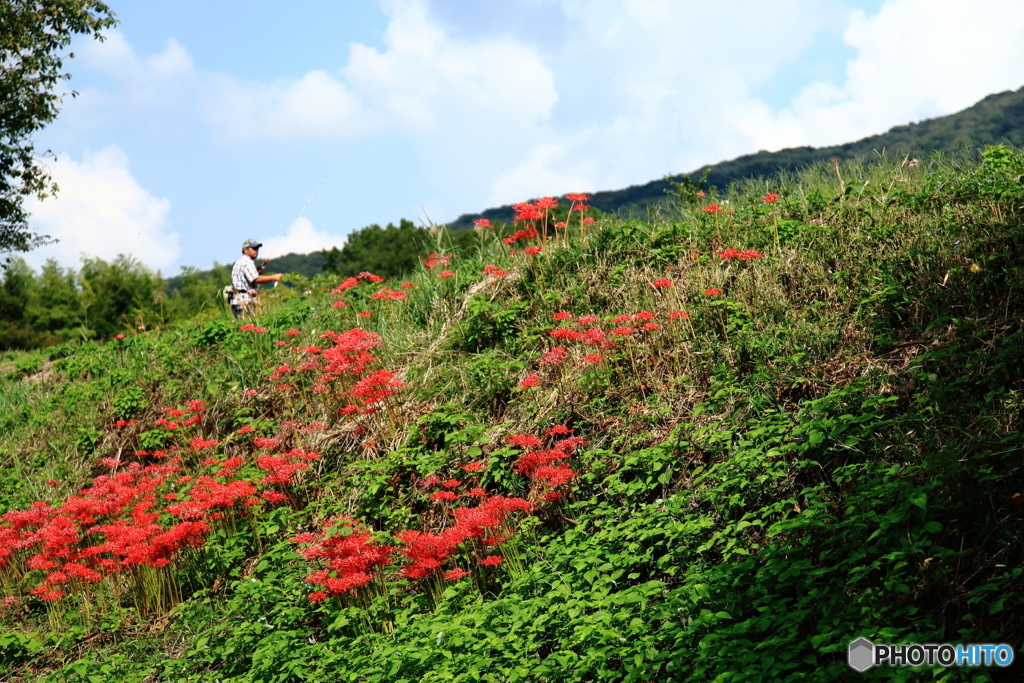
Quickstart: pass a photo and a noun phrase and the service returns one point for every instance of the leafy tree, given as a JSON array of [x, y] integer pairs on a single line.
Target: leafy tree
[[118, 294], [389, 251], [33, 35]]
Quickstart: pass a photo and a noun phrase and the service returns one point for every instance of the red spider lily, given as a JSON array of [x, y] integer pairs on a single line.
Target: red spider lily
[[293, 332], [339, 304], [123, 423], [482, 222], [772, 197], [349, 558], [370, 276], [580, 207], [566, 333], [199, 444], [406, 285], [376, 386], [532, 251], [526, 234], [455, 574], [530, 381], [546, 203], [473, 467], [744, 255], [390, 294], [623, 318], [492, 560], [587, 220], [494, 271], [588, 320], [347, 283], [265, 442], [712, 291], [245, 430], [281, 469], [645, 315], [451, 484], [558, 429], [350, 354], [713, 208], [649, 327], [429, 551], [676, 315], [434, 259], [661, 283], [562, 315], [560, 224], [596, 337], [443, 495], [118, 336], [554, 356], [525, 211], [476, 493], [622, 331], [365, 314], [280, 342], [495, 539], [446, 273], [577, 197]]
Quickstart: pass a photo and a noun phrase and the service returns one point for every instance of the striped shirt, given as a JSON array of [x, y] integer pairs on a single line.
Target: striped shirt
[[242, 276]]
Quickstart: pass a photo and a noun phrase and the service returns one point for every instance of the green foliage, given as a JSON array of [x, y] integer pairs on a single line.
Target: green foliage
[[830, 448], [389, 252], [32, 43]]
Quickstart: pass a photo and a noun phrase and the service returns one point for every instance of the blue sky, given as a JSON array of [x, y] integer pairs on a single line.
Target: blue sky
[[199, 124]]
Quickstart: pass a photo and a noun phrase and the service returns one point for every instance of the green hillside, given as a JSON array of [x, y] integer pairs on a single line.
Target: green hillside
[[996, 119], [717, 445]]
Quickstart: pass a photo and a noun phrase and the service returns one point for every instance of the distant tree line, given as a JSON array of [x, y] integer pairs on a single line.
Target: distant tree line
[[99, 300]]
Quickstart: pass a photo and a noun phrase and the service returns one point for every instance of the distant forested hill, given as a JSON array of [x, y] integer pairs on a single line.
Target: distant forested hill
[[997, 118]]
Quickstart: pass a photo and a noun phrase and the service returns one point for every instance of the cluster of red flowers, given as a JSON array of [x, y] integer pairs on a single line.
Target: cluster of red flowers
[[282, 468], [435, 259], [547, 465], [595, 336], [390, 294], [195, 409], [349, 553], [526, 234], [428, 552], [112, 525], [745, 255], [250, 327]]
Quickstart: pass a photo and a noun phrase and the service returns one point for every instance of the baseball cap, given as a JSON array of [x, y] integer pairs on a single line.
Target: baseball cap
[[251, 243]]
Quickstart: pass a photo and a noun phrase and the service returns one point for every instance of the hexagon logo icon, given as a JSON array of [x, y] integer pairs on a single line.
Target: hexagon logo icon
[[860, 654]]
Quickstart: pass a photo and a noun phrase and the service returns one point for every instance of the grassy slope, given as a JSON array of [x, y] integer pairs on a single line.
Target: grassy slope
[[829, 449]]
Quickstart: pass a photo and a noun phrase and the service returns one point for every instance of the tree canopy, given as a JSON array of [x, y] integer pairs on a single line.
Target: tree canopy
[[34, 36]]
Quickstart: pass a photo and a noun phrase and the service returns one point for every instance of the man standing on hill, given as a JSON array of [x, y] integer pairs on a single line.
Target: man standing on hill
[[244, 278]]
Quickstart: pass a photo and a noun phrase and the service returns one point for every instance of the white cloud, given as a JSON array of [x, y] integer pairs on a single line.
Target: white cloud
[[300, 238], [101, 210], [915, 59], [475, 111]]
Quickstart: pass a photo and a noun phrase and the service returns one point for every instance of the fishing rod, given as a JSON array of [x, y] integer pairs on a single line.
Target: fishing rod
[[290, 226]]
